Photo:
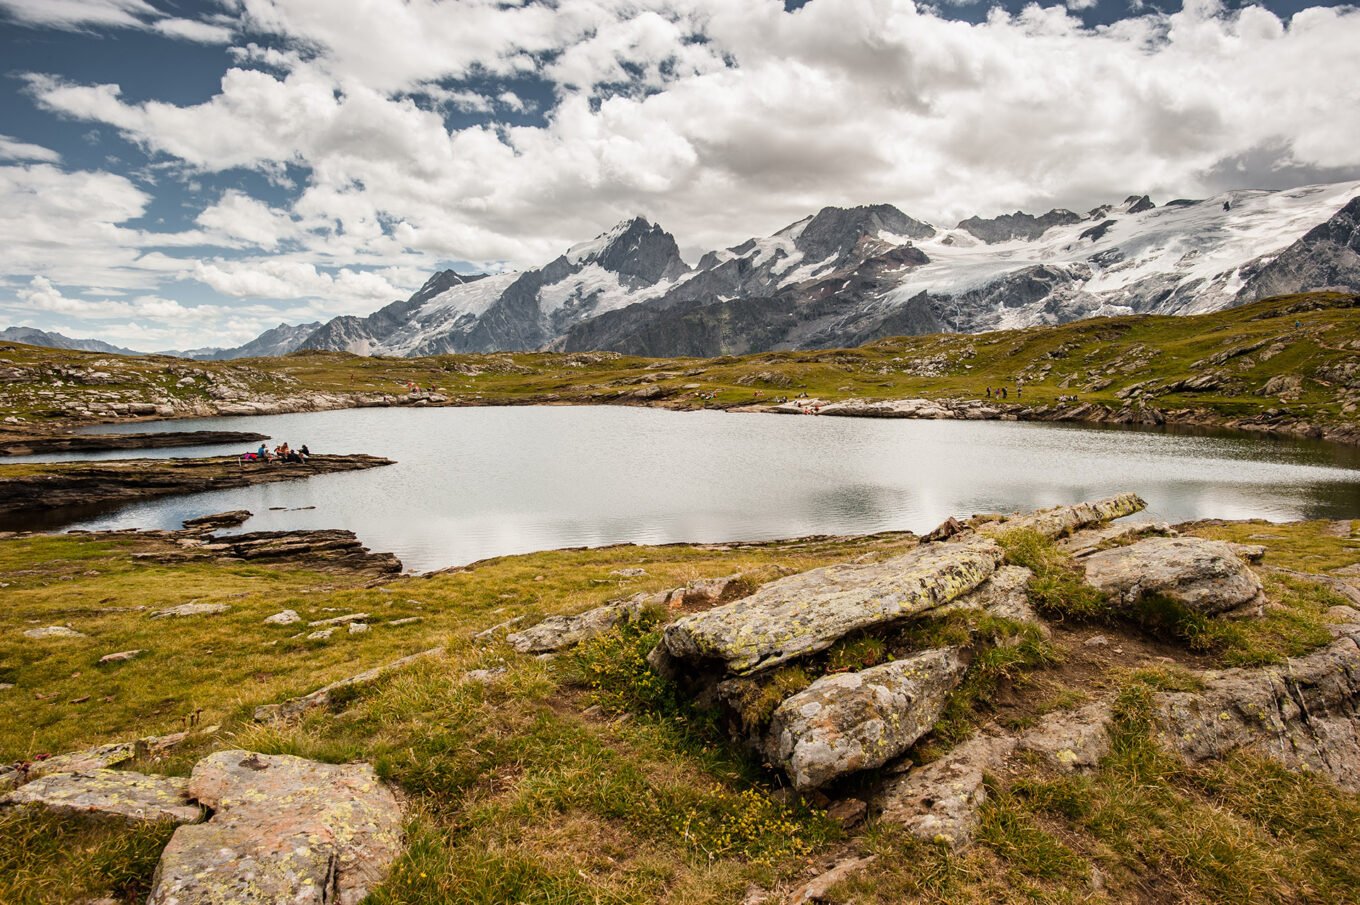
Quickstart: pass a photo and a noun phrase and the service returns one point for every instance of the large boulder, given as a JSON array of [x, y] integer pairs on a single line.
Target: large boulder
[[284, 830], [856, 721], [1061, 521], [1203, 575], [808, 612], [110, 793]]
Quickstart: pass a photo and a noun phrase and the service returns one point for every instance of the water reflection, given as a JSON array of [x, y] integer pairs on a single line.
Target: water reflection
[[473, 483]]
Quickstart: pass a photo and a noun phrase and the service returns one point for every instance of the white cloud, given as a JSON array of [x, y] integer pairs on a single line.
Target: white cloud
[[13, 149], [719, 118], [79, 13], [193, 30]]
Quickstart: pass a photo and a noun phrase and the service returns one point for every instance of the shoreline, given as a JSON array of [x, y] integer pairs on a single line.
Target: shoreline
[[1269, 422]]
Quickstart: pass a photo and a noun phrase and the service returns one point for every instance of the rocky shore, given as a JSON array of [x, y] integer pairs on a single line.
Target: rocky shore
[[1137, 413], [42, 444], [51, 486]]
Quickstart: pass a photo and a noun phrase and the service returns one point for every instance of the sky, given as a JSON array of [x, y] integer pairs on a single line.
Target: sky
[[188, 173]]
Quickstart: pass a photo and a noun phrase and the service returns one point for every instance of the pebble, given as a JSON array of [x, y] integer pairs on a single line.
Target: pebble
[[121, 657], [1096, 641]]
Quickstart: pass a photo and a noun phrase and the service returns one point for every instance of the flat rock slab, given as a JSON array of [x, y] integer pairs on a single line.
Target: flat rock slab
[[192, 609], [110, 793], [322, 696], [284, 830], [1206, 576], [121, 656], [52, 631], [808, 612], [218, 520], [1086, 541], [97, 758], [287, 617], [1061, 521], [339, 620], [848, 722]]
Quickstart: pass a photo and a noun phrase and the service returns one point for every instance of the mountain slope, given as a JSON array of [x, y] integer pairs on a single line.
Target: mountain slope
[[50, 340]]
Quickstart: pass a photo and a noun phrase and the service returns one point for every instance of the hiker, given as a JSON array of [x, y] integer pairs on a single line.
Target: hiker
[[989, 392], [305, 452], [1004, 394]]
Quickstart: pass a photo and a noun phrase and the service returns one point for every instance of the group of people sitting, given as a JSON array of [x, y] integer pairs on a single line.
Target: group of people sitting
[[281, 453]]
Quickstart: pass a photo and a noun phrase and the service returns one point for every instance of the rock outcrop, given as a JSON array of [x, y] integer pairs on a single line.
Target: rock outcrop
[[1061, 521], [939, 802], [283, 829], [561, 632], [855, 721], [806, 613], [1203, 575], [1304, 714]]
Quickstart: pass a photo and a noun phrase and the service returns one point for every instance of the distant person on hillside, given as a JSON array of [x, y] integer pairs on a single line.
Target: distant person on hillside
[[306, 453], [1227, 205], [989, 392]]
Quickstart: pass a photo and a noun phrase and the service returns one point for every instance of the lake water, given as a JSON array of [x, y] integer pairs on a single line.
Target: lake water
[[477, 482]]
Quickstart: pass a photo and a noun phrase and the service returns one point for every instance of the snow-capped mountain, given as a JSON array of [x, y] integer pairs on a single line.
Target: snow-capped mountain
[[633, 262], [847, 275]]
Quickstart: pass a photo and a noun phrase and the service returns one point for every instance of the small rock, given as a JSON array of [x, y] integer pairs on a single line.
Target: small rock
[[1096, 641], [485, 676], [53, 631], [322, 696], [560, 632], [848, 812], [321, 634], [358, 628], [338, 620], [287, 617], [406, 620], [629, 573], [816, 890], [193, 609], [121, 657]]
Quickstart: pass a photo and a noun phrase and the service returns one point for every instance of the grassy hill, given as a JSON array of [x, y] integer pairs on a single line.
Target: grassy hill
[[1290, 363]]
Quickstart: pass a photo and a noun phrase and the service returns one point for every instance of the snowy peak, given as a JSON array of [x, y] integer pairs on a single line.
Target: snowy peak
[[641, 253], [835, 231]]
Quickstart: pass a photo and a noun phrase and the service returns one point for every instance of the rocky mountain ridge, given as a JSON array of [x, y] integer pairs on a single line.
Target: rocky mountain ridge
[[849, 275]]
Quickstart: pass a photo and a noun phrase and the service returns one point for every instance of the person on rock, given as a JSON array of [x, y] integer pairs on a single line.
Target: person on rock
[[305, 453]]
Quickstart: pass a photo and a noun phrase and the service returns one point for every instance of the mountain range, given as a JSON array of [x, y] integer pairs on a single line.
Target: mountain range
[[844, 276]]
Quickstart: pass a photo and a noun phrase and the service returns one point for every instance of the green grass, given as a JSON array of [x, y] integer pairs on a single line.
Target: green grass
[[1058, 588], [589, 779]]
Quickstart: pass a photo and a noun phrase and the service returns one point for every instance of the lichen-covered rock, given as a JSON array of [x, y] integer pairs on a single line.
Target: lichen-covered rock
[[1063, 520], [192, 609], [1204, 575], [1071, 739], [110, 793], [855, 721], [88, 759], [322, 696], [808, 612], [284, 830], [1005, 595], [286, 617], [1304, 714], [52, 631], [560, 632], [939, 802]]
